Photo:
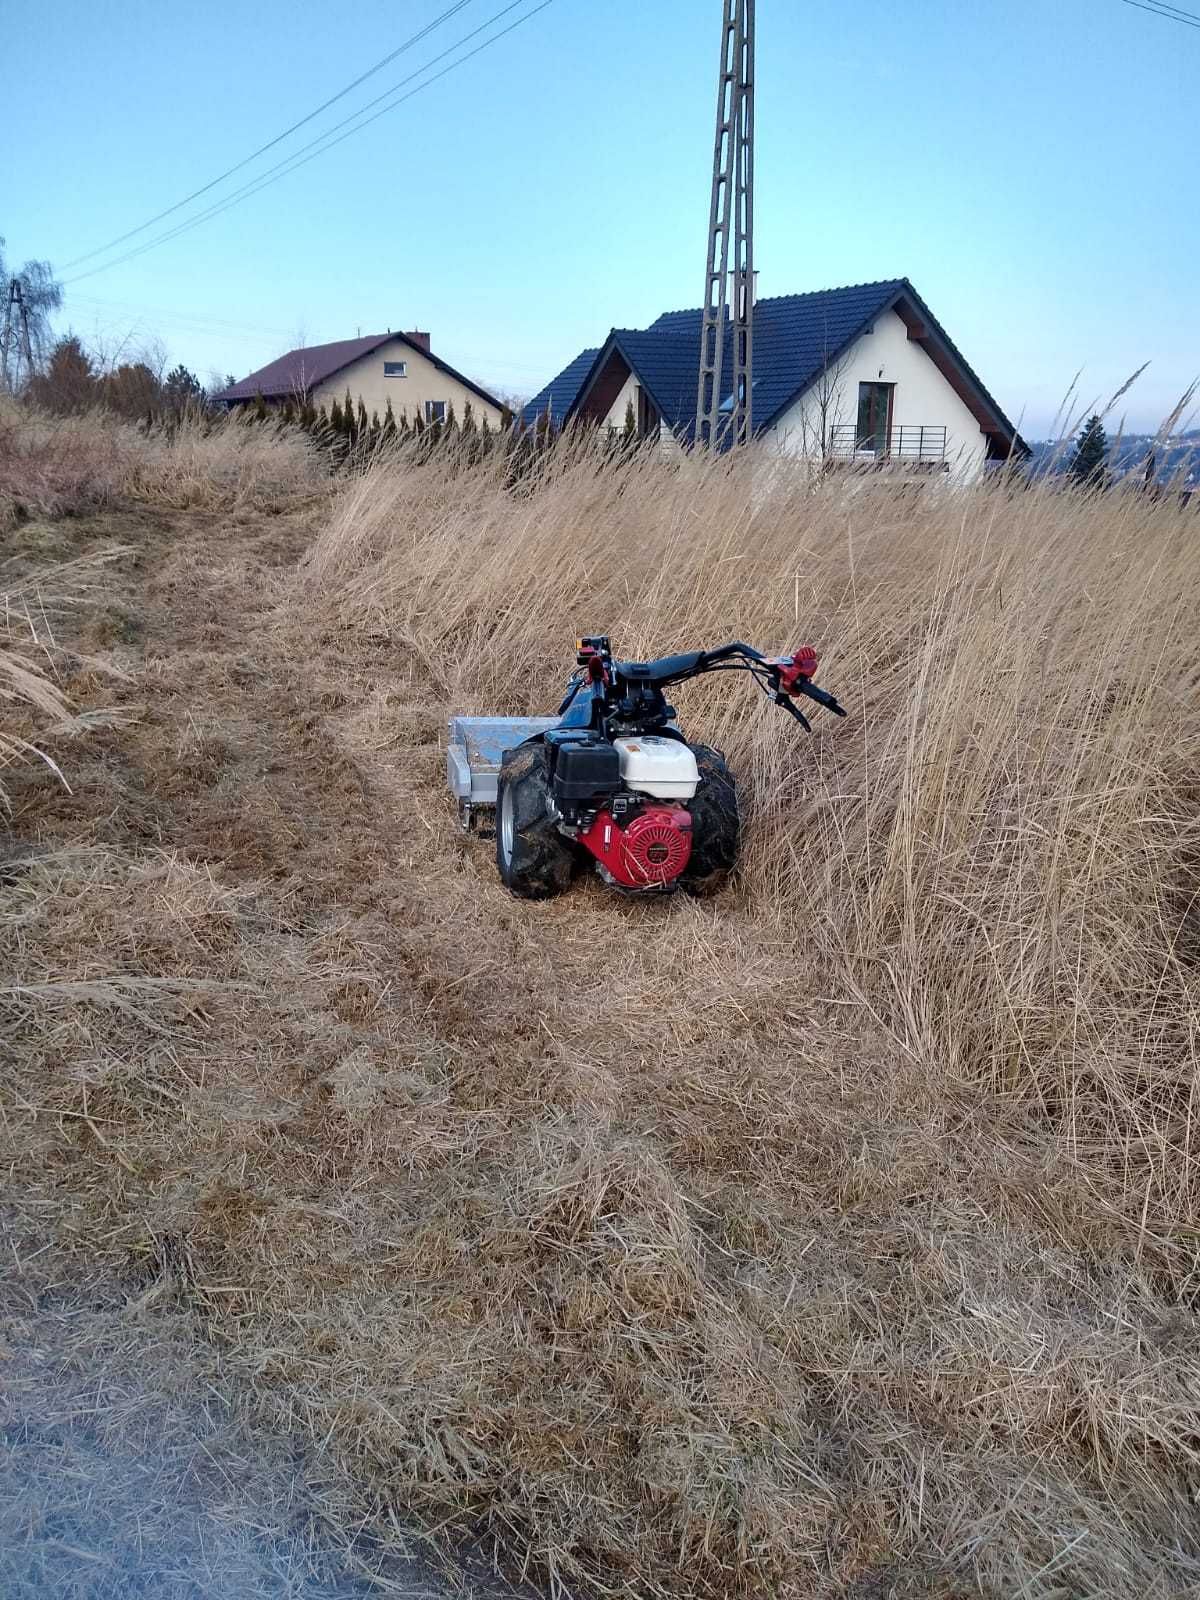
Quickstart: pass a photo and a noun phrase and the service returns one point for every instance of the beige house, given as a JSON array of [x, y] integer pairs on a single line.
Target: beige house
[[399, 367]]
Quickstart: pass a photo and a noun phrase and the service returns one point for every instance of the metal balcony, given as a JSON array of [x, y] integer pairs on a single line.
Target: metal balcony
[[912, 444]]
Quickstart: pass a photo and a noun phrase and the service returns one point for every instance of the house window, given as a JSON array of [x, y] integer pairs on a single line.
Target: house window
[[435, 411], [395, 369], [874, 430]]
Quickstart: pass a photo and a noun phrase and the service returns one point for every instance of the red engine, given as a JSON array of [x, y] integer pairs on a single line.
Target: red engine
[[652, 849]]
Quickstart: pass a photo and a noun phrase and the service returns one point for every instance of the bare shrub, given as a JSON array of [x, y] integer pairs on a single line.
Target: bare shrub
[[56, 466], [59, 466]]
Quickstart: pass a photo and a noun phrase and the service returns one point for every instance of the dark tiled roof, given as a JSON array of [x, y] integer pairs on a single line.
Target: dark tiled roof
[[796, 336], [300, 371], [561, 392]]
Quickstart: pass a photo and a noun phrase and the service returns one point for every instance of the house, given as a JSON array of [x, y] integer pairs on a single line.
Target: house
[[864, 375], [399, 367]]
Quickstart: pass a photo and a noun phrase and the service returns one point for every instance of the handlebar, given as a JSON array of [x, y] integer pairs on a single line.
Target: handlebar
[[782, 677]]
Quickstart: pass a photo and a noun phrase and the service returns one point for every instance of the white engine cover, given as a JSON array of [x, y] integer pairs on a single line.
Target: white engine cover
[[664, 768]]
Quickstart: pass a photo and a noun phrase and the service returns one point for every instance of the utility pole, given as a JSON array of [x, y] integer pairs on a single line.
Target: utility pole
[[16, 313], [730, 233], [6, 336]]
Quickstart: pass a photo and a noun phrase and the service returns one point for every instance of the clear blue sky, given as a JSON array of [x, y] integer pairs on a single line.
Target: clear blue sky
[[1030, 164]]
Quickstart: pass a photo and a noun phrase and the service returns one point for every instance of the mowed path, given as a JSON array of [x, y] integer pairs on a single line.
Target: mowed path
[[216, 849]]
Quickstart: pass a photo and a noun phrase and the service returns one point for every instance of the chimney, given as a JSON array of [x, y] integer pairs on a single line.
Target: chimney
[[421, 340]]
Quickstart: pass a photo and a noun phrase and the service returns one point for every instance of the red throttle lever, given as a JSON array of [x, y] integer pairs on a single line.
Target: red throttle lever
[[793, 668]]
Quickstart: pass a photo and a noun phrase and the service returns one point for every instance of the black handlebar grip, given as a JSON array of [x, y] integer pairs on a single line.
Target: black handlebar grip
[[821, 696]]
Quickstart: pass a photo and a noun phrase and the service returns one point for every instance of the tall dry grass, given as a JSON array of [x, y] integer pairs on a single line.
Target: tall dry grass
[[836, 1237], [53, 466], [998, 854]]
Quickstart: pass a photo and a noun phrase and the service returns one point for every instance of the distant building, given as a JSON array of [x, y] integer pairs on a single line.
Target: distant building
[[399, 367], [862, 376]]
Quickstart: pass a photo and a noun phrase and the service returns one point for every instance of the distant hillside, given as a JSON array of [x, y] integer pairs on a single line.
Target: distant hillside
[[1181, 454]]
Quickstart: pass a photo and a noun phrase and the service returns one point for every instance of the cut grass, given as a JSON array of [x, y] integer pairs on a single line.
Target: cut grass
[[835, 1237]]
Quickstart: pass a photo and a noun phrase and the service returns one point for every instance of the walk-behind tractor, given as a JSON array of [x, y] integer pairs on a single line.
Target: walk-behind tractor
[[612, 779]]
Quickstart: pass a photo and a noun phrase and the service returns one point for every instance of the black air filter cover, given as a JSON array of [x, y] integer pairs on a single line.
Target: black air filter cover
[[586, 771]]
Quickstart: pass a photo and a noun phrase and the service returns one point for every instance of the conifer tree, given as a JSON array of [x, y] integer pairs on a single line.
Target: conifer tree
[[335, 417], [629, 428], [1089, 464], [70, 380], [389, 421]]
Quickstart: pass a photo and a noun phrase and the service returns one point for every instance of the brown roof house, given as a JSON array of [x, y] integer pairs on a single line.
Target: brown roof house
[[399, 367]]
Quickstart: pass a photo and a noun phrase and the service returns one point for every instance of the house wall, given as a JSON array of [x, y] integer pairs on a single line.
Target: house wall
[[628, 394], [424, 381], [921, 396]]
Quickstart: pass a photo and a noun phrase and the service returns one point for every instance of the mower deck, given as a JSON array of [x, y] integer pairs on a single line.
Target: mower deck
[[474, 752]]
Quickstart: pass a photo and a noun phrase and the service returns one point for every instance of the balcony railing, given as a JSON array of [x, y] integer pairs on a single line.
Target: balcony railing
[[910, 443]]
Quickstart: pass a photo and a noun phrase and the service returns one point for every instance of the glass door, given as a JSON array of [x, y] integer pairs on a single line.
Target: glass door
[[874, 417]]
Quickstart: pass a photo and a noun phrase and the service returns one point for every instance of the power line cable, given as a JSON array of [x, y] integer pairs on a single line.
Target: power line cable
[[278, 139], [1190, 19], [120, 309], [300, 159], [199, 324]]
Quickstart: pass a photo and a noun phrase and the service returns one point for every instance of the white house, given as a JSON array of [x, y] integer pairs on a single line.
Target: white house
[[862, 376]]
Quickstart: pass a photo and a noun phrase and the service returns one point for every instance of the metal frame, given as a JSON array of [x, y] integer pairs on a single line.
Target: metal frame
[[730, 233]]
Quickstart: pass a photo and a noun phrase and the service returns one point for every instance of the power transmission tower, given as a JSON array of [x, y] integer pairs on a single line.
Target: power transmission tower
[[6, 336], [730, 233], [16, 325]]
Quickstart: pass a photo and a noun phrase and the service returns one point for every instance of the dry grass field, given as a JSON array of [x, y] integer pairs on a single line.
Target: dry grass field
[[836, 1237]]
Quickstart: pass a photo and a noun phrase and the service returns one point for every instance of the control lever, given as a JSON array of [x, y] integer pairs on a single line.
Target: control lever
[[788, 704]]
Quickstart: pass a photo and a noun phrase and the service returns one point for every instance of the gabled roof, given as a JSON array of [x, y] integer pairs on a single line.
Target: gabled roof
[[300, 371], [796, 337], [559, 394]]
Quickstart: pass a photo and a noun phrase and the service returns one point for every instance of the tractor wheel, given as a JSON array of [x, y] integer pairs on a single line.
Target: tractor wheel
[[532, 857], [715, 825]]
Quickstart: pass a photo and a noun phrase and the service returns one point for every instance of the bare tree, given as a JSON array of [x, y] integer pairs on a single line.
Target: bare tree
[[41, 294], [511, 400], [823, 408]]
